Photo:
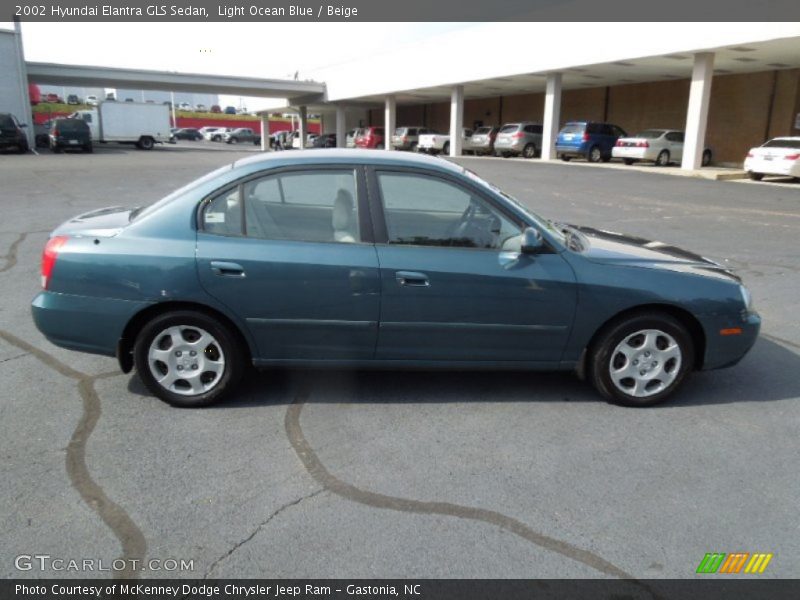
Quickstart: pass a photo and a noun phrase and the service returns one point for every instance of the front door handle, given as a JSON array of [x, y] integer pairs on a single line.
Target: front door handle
[[412, 278], [227, 269]]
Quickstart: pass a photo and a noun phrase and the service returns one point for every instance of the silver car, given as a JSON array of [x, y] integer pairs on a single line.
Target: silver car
[[481, 142], [407, 138], [515, 139]]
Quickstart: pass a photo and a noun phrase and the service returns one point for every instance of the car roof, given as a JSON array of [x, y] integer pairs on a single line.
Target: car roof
[[351, 155], [793, 138]]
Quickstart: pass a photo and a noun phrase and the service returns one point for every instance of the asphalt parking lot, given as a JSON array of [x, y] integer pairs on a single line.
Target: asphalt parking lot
[[387, 474]]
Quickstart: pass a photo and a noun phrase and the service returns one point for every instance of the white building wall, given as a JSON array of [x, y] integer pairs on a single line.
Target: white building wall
[[13, 93]]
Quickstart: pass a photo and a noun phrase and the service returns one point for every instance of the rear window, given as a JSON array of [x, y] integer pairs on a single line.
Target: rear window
[[509, 128], [794, 144], [649, 134], [73, 125], [483, 130], [573, 128]]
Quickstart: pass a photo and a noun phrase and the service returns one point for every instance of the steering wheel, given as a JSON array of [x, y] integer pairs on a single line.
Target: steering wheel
[[459, 227]]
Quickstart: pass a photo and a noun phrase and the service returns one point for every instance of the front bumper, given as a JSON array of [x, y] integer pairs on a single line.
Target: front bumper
[[83, 323], [727, 350]]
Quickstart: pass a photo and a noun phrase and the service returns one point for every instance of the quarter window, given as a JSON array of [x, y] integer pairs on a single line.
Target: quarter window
[[422, 210]]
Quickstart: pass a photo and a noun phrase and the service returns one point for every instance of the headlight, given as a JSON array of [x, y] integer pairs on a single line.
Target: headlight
[[747, 298]]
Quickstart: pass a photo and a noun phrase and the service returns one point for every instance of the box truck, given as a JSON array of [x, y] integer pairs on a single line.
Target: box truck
[[143, 124]]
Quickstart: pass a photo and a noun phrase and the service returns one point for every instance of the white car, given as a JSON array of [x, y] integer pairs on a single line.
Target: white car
[[184, 106], [659, 146], [310, 137], [207, 132], [92, 100], [435, 143], [779, 156], [350, 138]]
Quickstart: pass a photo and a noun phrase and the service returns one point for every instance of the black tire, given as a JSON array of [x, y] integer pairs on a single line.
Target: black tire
[[662, 160], [233, 140], [566, 158], [529, 151], [756, 176], [446, 149], [224, 341], [145, 143], [88, 148], [594, 155], [506, 154], [602, 353], [215, 138], [55, 148], [628, 161], [23, 148], [706, 160]]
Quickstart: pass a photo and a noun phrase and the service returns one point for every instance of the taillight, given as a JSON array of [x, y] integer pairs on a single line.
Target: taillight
[[585, 137], [642, 144], [750, 155], [49, 257], [517, 135], [619, 143], [792, 156]]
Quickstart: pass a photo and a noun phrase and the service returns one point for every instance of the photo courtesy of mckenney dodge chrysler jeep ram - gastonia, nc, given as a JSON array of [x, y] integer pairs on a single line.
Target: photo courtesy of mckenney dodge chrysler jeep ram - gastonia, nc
[[365, 258]]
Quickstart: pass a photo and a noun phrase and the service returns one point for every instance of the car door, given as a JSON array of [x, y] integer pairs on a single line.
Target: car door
[[454, 285], [289, 251], [675, 139]]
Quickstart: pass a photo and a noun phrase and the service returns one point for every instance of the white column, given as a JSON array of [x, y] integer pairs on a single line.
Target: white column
[[389, 122], [303, 126], [27, 115], [265, 133], [456, 119], [341, 127], [552, 115], [697, 112]]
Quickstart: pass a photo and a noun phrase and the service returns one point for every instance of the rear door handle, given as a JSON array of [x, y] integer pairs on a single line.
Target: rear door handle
[[227, 269], [412, 278]]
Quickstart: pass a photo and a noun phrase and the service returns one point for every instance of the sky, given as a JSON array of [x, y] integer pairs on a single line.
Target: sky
[[274, 50]]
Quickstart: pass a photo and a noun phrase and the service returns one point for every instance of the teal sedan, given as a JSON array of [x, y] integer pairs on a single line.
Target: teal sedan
[[354, 259]]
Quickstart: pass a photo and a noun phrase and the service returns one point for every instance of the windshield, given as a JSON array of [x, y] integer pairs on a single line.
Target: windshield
[[574, 128], [541, 222], [650, 134], [793, 144]]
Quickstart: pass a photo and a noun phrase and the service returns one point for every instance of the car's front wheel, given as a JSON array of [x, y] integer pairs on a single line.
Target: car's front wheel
[[641, 360], [188, 358], [755, 176]]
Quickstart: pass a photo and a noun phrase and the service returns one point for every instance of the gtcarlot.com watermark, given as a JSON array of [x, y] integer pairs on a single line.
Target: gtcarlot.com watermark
[[46, 562]]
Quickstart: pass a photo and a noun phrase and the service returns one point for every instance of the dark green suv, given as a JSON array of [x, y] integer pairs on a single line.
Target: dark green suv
[[11, 134], [70, 133]]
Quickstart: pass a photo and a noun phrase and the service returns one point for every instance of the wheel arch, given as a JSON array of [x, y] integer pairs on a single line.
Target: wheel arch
[[686, 318], [128, 338]]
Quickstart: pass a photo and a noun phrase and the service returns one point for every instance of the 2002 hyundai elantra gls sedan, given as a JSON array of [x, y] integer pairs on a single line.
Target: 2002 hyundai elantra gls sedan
[[367, 258]]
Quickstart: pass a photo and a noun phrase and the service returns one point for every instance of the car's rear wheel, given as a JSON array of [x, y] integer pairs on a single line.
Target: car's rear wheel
[[566, 158], [756, 176], [233, 140], [706, 160], [188, 358], [55, 148], [446, 148], [627, 161], [641, 360], [595, 154], [529, 151], [662, 160], [23, 147]]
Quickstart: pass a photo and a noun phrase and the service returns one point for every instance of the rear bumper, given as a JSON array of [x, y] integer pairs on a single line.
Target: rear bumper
[[581, 150], [727, 350], [512, 147], [773, 167], [633, 153], [82, 323]]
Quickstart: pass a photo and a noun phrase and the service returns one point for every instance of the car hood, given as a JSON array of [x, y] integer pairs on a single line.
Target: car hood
[[616, 248], [105, 222]]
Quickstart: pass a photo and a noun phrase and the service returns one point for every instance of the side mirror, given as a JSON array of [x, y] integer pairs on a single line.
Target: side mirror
[[532, 242]]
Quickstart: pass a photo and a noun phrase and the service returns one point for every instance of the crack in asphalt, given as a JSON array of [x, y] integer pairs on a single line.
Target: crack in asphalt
[[112, 514], [10, 358], [333, 484], [260, 526], [10, 257]]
